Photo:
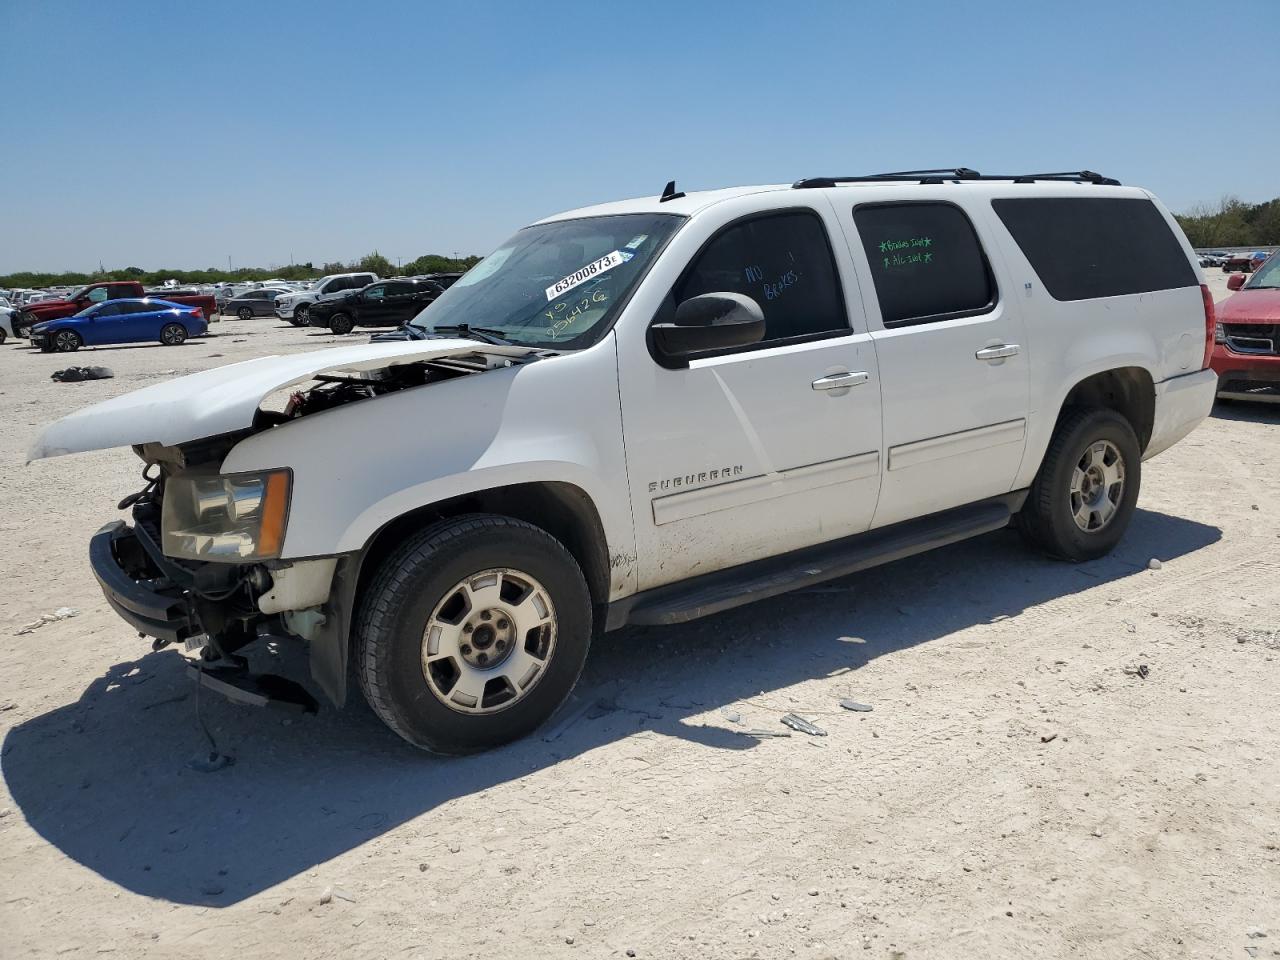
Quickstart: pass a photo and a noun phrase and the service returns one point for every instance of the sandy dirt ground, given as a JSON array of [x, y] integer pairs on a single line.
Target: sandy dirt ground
[[1017, 791]]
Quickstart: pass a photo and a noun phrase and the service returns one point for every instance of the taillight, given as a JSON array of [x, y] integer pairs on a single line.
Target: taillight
[[1210, 325]]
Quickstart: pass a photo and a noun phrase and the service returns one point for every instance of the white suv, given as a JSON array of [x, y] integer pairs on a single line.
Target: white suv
[[654, 410], [294, 306]]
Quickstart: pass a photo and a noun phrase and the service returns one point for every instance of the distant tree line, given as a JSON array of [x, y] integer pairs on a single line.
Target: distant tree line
[[375, 262], [1233, 223]]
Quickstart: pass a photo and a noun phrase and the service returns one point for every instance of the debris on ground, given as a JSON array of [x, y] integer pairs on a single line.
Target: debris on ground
[[1049, 739], [326, 895], [1141, 671], [765, 733], [76, 374], [733, 716], [1154, 564], [62, 613], [854, 705], [209, 762], [803, 725]]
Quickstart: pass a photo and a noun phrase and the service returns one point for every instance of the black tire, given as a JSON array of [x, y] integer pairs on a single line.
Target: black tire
[[173, 334], [244, 313], [300, 318], [394, 609], [341, 323], [67, 341], [1046, 519], [3, 335]]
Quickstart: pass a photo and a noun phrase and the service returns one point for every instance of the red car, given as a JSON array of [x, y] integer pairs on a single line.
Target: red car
[[1246, 352]]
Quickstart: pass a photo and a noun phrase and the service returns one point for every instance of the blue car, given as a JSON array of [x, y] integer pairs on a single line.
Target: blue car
[[121, 321]]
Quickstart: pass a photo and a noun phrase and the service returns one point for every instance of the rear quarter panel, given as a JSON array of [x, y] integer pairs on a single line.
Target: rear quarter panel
[[1161, 332]]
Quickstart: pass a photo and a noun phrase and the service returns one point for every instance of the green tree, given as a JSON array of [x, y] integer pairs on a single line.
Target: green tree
[[376, 263]]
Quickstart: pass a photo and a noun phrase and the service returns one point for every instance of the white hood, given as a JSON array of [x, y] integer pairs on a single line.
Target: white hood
[[225, 399]]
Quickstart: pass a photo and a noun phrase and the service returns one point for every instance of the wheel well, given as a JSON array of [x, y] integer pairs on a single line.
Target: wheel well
[[1129, 391], [561, 509]]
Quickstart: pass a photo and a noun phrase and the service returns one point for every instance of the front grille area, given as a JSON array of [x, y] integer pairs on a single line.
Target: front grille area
[[1255, 338]]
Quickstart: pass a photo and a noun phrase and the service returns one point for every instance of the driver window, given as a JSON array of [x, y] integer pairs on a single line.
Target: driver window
[[375, 293], [782, 261], [97, 294]]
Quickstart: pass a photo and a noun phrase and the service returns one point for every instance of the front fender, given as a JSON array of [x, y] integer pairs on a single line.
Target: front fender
[[360, 466]]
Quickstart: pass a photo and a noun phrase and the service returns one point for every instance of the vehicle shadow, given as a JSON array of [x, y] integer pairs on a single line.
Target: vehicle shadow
[[1246, 411], [106, 779]]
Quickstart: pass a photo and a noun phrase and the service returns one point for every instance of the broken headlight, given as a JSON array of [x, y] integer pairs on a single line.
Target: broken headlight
[[230, 519]]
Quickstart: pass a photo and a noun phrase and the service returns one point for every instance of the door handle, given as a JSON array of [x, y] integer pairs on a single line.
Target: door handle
[[840, 381], [999, 352]]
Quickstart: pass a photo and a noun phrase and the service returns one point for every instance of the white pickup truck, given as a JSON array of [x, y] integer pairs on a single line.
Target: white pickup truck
[[654, 410], [294, 306]]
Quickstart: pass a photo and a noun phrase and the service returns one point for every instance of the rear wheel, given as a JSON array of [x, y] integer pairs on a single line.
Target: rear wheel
[[67, 341], [300, 318], [244, 313], [341, 323], [1084, 495], [472, 633], [172, 334]]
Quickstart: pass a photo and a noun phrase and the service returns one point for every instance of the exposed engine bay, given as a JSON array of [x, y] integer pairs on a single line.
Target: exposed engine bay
[[338, 387]]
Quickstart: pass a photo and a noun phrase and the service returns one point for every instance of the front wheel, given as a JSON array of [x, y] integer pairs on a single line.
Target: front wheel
[[244, 313], [472, 633], [341, 323], [173, 334], [67, 341], [300, 318], [1084, 495]]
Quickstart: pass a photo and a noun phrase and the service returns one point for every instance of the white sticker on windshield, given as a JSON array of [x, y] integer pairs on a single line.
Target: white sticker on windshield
[[605, 263], [636, 241]]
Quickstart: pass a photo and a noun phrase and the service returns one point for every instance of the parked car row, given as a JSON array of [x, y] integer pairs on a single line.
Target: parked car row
[[1246, 261]]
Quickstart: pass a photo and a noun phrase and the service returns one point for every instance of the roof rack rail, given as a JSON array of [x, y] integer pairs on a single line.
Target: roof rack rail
[[956, 174]]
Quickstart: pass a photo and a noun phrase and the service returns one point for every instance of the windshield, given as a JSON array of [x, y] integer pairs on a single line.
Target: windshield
[[1267, 275], [554, 285]]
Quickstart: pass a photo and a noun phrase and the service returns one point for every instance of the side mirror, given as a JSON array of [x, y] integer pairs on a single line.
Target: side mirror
[[712, 321], [1236, 281]]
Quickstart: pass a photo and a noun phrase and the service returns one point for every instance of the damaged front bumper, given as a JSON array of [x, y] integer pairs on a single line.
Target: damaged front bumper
[[153, 606], [227, 606]]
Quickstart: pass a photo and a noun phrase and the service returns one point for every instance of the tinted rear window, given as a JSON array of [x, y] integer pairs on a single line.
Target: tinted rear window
[[1094, 247]]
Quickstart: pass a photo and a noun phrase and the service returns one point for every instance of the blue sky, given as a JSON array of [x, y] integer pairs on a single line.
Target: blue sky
[[176, 134]]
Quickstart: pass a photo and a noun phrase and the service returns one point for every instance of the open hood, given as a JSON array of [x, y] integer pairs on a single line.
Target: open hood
[[225, 399]]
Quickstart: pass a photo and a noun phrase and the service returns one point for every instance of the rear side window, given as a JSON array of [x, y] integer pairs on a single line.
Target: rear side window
[[926, 262], [1089, 247], [784, 263]]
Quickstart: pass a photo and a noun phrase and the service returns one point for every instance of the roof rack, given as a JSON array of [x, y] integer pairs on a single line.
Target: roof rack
[[956, 174]]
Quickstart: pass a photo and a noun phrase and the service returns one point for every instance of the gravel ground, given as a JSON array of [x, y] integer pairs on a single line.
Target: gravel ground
[[1018, 789]]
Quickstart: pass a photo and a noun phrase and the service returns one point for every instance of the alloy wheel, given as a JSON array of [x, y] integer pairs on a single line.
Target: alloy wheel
[[1097, 486], [489, 641]]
